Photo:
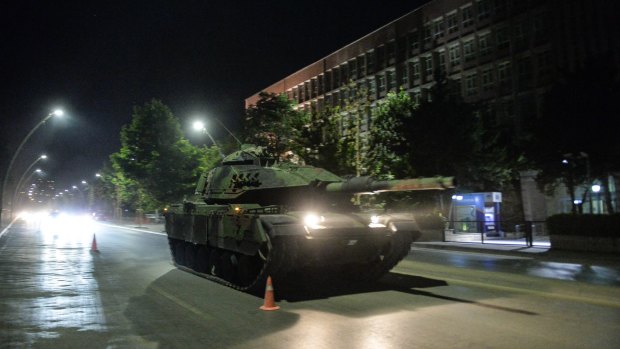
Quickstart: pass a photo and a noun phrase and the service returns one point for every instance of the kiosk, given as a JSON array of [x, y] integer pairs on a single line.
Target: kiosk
[[477, 213]]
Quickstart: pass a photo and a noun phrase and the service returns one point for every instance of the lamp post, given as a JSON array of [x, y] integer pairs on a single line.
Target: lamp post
[[200, 126], [38, 170], [21, 181], [596, 189], [57, 112]]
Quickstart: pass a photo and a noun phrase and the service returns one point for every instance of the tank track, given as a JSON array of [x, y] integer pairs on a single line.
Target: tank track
[[280, 259]]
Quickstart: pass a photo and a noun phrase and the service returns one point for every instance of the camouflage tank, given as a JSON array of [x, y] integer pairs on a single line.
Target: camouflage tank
[[254, 216]]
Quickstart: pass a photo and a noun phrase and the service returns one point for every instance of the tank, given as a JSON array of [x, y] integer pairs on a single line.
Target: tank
[[253, 217]]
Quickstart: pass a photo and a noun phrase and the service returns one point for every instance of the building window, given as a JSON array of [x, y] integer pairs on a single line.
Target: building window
[[428, 67], [467, 16], [453, 23], [328, 81], [381, 84], [370, 62], [438, 29], [484, 9], [442, 61], [471, 84], [503, 38], [455, 55], [427, 34], [320, 82], [468, 50], [519, 32], [524, 68], [315, 88], [405, 77], [488, 78], [372, 87], [353, 69], [484, 44], [504, 75], [361, 67], [380, 57], [414, 43], [544, 65], [415, 70], [391, 52], [390, 80]]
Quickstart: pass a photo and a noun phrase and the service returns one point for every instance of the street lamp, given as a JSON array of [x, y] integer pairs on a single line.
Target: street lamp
[[21, 179], [57, 112], [200, 126], [38, 170], [596, 189]]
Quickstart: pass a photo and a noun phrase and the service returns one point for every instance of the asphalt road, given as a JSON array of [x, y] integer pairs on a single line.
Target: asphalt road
[[56, 293]]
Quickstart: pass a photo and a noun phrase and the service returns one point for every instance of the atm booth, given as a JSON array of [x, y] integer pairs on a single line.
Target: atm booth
[[477, 213]]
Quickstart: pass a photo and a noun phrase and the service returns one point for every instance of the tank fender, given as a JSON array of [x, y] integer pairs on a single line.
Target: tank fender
[[282, 225], [408, 226]]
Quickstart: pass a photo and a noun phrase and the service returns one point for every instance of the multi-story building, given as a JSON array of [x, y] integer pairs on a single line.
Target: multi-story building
[[502, 53]]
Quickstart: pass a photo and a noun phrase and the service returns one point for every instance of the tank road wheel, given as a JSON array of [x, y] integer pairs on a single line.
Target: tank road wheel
[[248, 269], [213, 266], [190, 255], [179, 253], [391, 253], [202, 260], [229, 264]]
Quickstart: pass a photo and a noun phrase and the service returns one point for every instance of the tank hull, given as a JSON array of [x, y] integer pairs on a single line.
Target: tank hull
[[240, 245]]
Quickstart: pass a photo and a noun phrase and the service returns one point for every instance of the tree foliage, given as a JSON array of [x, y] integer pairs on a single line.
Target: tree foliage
[[156, 162], [578, 125], [389, 138], [275, 124]]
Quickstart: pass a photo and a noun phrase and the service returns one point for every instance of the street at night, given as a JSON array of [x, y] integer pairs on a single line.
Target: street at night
[[55, 292]]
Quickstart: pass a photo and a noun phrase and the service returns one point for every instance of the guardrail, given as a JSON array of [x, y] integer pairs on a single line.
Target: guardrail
[[529, 233]]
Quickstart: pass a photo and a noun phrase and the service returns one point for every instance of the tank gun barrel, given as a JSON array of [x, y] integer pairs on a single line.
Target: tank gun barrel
[[370, 185]]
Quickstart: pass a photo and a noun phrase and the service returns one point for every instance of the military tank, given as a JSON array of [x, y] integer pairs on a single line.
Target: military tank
[[254, 216]]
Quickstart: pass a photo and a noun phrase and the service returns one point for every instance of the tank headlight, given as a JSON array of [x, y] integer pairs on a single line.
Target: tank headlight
[[314, 221], [374, 222]]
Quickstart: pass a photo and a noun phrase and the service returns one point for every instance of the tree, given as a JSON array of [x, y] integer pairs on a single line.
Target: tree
[[156, 157], [389, 143], [578, 125], [275, 124]]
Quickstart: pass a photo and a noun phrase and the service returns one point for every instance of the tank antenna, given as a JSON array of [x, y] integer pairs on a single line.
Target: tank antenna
[[227, 130]]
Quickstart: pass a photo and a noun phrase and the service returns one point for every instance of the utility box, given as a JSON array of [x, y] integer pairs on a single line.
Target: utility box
[[477, 213]]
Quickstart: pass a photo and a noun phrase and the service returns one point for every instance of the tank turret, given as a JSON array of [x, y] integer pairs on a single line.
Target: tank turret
[[255, 216]]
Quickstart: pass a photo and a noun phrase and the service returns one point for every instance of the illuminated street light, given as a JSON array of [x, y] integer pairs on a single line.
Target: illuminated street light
[[200, 126], [58, 113], [38, 170], [596, 188], [21, 180]]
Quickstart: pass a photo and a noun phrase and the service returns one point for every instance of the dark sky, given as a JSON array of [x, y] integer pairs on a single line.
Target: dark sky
[[97, 59]]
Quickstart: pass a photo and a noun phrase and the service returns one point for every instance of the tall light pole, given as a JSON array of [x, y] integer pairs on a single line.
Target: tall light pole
[[38, 170], [200, 126], [57, 112], [21, 181]]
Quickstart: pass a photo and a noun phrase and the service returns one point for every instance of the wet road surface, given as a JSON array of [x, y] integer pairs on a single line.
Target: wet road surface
[[56, 293]]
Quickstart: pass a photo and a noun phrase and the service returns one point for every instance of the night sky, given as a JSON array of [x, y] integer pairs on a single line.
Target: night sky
[[97, 59]]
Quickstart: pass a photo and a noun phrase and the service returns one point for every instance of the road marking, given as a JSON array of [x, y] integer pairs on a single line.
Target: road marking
[[596, 301], [134, 229], [183, 304]]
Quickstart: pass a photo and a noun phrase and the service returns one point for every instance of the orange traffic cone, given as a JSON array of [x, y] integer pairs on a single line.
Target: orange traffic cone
[[93, 246], [270, 303]]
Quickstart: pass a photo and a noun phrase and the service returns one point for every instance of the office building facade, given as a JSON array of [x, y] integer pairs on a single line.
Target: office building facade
[[502, 54]]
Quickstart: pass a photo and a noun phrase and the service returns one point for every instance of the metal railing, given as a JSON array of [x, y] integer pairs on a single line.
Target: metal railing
[[528, 233]]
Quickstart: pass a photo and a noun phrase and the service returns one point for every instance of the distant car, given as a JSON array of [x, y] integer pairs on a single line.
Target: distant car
[[100, 216]]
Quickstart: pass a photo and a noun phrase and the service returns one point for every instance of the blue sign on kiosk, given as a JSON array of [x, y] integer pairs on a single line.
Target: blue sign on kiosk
[[477, 213]]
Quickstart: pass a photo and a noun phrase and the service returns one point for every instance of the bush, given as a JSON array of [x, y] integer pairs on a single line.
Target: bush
[[584, 225]]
